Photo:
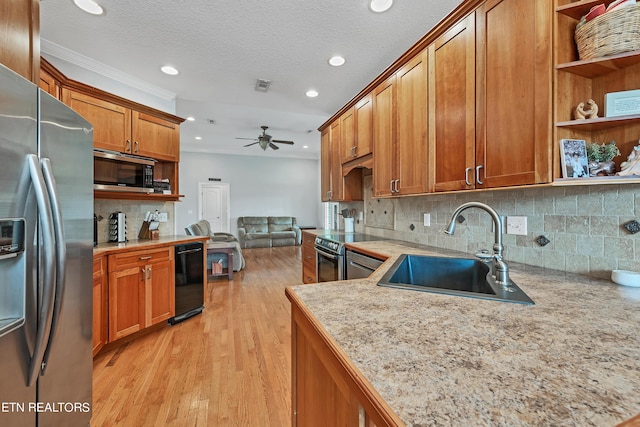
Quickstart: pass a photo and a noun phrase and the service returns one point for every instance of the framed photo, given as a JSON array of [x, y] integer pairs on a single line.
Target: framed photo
[[573, 153], [624, 103]]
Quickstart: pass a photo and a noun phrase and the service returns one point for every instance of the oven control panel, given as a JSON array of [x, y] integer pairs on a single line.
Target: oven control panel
[[328, 244]]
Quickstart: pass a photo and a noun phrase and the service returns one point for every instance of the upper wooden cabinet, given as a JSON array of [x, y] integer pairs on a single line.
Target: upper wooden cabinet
[[325, 165], [452, 59], [20, 37], [400, 129], [333, 185], [514, 86], [357, 131], [119, 128]]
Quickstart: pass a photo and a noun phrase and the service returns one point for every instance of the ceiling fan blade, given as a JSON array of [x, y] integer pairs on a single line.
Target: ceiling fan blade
[[275, 147], [250, 139], [282, 142], [253, 143]]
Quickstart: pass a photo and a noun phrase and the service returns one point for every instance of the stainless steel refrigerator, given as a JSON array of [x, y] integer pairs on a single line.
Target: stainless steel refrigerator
[[46, 226]]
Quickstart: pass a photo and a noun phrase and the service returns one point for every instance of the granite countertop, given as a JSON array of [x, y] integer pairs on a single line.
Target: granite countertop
[[111, 248], [573, 358]]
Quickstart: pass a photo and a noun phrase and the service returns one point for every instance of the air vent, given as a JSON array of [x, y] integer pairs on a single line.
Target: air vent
[[262, 85], [212, 122]]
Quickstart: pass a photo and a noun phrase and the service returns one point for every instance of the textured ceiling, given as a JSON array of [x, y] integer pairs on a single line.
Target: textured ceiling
[[222, 47]]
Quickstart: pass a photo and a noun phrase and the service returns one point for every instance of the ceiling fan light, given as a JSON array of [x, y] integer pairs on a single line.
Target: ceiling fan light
[[336, 61], [379, 6], [312, 93], [89, 6]]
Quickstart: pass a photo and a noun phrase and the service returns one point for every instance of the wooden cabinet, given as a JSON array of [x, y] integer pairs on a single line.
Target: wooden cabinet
[[334, 186], [141, 290], [20, 37], [99, 304], [325, 165], [327, 389], [400, 131], [452, 58], [513, 98], [357, 130], [50, 79], [337, 188], [119, 128], [309, 266], [579, 80]]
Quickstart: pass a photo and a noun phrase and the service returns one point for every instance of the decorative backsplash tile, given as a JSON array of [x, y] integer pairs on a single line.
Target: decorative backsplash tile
[[135, 212], [584, 225]]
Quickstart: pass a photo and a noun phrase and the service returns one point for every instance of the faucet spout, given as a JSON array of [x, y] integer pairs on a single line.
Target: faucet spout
[[500, 269]]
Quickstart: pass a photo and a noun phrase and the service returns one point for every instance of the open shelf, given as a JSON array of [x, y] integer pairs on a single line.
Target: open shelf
[[596, 180], [600, 123], [578, 9], [596, 67]]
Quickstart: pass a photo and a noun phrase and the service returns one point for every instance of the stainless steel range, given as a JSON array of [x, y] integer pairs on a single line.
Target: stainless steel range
[[330, 254]]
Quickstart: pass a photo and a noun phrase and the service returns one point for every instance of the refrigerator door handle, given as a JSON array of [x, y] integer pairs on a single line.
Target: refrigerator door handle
[[45, 312], [60, 253]]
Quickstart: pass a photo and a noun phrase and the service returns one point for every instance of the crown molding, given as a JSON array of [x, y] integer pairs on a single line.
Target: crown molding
[[60, 52]]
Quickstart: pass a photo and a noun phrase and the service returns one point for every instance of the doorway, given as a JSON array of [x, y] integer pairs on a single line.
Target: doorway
[[213, 205]]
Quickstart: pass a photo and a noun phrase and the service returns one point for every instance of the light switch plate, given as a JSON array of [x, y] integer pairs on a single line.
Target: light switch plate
[[427, 220], [517, 225]]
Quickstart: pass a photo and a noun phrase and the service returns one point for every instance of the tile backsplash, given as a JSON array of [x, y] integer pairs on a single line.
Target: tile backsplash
[[585, 225], [135, 212]]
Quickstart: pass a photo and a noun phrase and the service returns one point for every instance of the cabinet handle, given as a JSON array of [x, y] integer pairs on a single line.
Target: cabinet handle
[[391, 186], [397, 182], [149, 273], [478, 174], [136, 144], [144, 273], [329, 194], [144, 258], [466, 176], [128, 147], [353, 151]]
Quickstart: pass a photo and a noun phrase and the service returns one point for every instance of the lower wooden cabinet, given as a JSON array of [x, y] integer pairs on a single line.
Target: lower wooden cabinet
[[309, 268], [328, 390], [99, 304], [141, 290]]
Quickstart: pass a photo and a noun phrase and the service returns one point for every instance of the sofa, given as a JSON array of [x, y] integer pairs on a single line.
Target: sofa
[[268, 231], [216, 239]]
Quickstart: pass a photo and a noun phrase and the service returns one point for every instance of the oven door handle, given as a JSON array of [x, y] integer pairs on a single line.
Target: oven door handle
[[327, 254]]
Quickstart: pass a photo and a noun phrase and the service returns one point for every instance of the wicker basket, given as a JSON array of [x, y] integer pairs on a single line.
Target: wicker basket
[[614, 32]]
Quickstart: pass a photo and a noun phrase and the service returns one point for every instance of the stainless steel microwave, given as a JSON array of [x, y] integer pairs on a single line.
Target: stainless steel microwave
[[115, 171]]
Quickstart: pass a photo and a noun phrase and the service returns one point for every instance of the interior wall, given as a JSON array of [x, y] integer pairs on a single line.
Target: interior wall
[[259, 186]]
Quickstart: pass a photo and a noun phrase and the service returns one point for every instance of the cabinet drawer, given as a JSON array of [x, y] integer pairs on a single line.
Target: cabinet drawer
[[126, 260]]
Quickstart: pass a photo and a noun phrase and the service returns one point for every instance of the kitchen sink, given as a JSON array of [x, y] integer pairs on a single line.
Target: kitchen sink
[[452, 276]]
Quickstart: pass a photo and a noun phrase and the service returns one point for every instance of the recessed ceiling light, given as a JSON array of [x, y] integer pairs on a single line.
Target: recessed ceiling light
[[198, 138], [312, 93], [191, 118], [336, 61], [305, 146], [168, 69], [379, 6], [89, 6]]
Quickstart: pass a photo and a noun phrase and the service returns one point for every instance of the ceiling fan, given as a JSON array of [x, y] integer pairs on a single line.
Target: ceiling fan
[[265, 140]]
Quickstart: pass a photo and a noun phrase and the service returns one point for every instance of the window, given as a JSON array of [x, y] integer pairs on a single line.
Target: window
[[330, 215]]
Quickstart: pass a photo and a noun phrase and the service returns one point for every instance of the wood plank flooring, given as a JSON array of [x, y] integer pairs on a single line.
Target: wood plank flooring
[[229, 366]]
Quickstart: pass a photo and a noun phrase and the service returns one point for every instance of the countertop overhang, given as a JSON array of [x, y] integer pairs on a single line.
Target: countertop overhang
[[141, 244], [573, 358]]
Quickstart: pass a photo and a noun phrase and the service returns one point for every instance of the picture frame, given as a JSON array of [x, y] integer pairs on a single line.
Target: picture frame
[[625, 103], [574, 162]]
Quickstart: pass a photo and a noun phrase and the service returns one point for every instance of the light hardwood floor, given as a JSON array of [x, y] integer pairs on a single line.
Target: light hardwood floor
[[228, 366]]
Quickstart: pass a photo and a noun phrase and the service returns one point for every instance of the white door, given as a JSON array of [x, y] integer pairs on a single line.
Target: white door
[[213, 205]]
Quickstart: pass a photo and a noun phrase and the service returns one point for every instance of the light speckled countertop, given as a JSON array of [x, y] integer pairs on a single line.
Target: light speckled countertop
[[573, 358], [135, 244]]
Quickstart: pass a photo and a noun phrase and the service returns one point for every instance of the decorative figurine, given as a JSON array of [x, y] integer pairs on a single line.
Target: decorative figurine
[[601, 157], [590, 113], [632, 165]]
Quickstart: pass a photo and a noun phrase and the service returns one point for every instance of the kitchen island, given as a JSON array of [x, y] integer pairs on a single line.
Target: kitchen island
[[405, 357]]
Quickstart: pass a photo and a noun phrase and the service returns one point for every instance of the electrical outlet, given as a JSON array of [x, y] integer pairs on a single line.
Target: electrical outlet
[[427, 220], [517, 225], [163, 216]]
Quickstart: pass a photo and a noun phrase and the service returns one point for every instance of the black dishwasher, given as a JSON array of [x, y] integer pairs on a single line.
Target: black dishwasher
[[189, 261]]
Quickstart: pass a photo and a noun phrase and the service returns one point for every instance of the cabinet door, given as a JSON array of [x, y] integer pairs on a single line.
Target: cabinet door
[[514, 85], [111, 122], [336, 164], [453, 100], [384, 144], [159, 292], [49, 84], [325, 165], [126, 302], [20, 37], [364, 126], [308, 258], [155, 137], [411, 113], [99, 305], [348, 136]]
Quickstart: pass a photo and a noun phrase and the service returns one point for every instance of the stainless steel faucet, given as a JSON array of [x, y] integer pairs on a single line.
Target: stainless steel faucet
[[500, 269]]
